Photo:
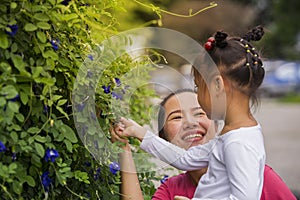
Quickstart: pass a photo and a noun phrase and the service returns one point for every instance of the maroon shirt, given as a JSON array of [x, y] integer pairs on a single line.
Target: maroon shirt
[[273, 188]]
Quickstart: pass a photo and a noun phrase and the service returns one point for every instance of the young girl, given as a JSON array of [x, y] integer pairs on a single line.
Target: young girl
[[235, 158]]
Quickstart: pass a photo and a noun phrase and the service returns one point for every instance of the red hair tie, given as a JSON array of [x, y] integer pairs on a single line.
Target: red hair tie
[[209, 45]]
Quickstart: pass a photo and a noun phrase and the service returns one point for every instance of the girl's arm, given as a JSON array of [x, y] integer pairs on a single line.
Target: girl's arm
[[194, 158]]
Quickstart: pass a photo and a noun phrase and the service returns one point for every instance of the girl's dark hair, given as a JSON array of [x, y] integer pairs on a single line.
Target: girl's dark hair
[[238, 60], [161, 111]]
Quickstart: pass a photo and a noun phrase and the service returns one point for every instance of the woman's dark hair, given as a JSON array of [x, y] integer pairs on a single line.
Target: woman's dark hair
[[238, 60], [161, 111]]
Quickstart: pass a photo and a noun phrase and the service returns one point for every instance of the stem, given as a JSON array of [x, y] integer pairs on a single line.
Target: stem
[[155, 9], [81, 197], [5, 190]]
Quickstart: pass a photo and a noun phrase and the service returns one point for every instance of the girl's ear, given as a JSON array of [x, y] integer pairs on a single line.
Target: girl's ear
[[218, 84]]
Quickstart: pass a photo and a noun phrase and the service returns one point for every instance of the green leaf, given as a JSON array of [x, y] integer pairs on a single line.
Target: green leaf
[[40, 139], [30, 27], [13, 5], [33, 130], [41, 36], [12, 168], [68, 145], [2, 101], [39, 149], [13, 106], [50, 54], [41, 17], [17, 187], [68, 133], [43, 25], [19, 64], [14, 136], [30, 180], [24, 98], [3, 40], [9, 91], [61, 102]]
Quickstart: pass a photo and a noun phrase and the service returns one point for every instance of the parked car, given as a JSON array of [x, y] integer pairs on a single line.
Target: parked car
[[281, 78]]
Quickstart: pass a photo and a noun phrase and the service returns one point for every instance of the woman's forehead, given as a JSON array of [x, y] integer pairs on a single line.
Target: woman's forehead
[[182, 101]]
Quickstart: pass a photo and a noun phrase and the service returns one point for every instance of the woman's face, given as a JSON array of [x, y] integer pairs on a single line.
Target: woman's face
[[186, 123]]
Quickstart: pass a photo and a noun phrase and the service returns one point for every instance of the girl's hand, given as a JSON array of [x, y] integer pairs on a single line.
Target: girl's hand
[[181, 198], [129, 128], [116, 138]]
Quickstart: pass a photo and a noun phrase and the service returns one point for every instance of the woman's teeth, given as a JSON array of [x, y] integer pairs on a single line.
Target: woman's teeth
[[192, 136]]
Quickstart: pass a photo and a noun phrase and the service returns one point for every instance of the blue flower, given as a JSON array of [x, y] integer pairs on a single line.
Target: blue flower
[[164, 179], [106, 89], [80, 107], [118, 82], [65, 2], [45, 109], [89, 73], [51, 154], [2, 147], [114, 167], [116, 95], [91, 57], [15, 98], [14, 156], [46, 180], [14, 28], [97, 174], [55, 44]]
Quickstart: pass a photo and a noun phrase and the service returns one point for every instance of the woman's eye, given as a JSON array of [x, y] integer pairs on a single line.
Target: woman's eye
[[200, 114], [176, 117]]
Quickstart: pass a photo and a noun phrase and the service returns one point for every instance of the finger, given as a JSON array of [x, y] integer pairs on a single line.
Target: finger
[[126, 122]]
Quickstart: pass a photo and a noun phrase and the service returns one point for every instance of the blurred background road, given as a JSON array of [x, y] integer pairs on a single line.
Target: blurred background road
[[281, 125]]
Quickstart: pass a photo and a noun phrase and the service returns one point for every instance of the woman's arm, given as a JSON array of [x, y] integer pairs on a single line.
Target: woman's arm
[[130, 186]]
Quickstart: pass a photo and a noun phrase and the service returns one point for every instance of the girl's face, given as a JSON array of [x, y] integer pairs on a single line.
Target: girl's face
[[186, 123], [203, 95]]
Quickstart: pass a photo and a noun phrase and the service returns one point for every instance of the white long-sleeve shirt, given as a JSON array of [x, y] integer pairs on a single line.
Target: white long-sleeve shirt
[[235, 162]]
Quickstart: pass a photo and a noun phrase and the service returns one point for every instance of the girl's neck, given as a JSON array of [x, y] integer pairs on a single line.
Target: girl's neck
[[238, 114]]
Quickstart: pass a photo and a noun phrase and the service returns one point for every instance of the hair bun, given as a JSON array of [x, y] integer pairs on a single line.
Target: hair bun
[[220, 38], [255, 34]]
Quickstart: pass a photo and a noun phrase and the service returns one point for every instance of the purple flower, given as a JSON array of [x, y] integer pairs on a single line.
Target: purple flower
[[106, 89], [93, 115], [51, 154], [116, 95], [46, 181], [118, 82], [2, 147], [89, 73], [45, 109], [114, 167], [164, 179], [55, 44], [14, 28]]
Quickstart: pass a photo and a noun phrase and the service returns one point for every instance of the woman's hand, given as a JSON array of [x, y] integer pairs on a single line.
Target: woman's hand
[[181, 198], [129, 128]]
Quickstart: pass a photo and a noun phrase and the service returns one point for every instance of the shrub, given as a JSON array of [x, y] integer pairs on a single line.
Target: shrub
[[42, 46]]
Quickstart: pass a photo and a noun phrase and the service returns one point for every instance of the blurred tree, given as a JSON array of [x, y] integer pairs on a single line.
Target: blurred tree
[[284, 29]]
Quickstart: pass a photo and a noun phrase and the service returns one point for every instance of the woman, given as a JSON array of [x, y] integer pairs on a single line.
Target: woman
[[185, 124]]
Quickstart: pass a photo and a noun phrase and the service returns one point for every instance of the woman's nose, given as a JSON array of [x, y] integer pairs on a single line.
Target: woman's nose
[[190, 122]]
